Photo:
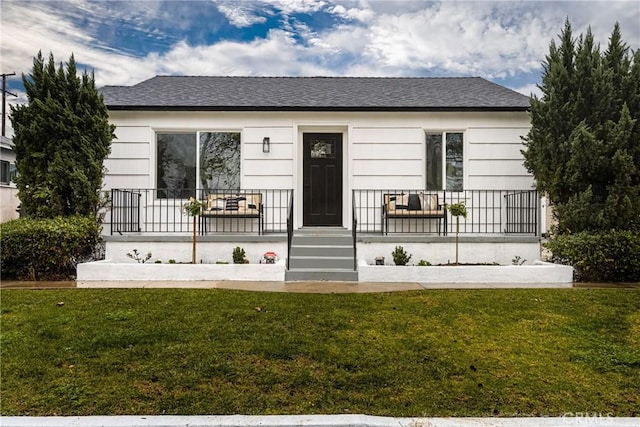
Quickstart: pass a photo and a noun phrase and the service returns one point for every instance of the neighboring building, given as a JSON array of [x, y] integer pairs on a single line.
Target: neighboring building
[[328, 149], [8, 192]]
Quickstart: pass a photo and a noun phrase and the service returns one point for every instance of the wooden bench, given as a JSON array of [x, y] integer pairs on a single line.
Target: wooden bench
[[412, 205], [233, 205]]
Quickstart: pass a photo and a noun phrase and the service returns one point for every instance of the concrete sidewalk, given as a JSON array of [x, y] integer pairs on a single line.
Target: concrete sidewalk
[[323, 287], [314, 421]]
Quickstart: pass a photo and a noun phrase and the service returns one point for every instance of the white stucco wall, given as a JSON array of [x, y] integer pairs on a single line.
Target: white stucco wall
[[8, 203], [180, 251], [443, 251], [110, 271], [8, 192], [540, 272]]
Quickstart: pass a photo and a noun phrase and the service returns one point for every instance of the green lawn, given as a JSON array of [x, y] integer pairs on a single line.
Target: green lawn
[[430, 353]]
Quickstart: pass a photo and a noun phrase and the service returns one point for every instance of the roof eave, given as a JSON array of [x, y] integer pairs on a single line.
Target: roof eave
[[328, 108]]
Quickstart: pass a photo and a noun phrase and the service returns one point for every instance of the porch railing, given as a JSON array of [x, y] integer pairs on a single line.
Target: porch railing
[[523, 212], [151, 210], [125, 211], [488, 212], [289, 227], [354, 230]]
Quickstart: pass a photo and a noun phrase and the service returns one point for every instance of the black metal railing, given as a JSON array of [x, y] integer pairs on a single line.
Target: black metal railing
[[354, 230], [160, 211], [226, 211], [289, 227], [488, 211], [125, 211], [523, 212]]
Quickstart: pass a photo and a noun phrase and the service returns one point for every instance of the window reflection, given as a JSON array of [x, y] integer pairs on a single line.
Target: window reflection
[[176, 161], [220, 160]]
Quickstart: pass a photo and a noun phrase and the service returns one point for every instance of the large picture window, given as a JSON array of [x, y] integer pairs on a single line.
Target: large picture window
[[176, 160], [187, 161], [445, 149]]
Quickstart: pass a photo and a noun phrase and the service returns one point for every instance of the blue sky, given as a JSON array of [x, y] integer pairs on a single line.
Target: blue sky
[[126, 42]]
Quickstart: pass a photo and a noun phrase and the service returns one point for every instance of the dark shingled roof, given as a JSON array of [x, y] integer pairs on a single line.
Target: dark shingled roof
[[209, 93]]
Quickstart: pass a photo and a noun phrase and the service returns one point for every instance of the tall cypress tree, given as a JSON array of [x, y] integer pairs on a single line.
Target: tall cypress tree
[[550, 134], [62, 137], [584, 145]]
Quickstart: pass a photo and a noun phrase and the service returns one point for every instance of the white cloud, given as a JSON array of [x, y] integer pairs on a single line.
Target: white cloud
[[240, 14], [22, 32], [276, 55], [459, 38], [601, 16], [490, 39], [27, 27], [529, 89], [289, 7], [353, 13], [375, 38]]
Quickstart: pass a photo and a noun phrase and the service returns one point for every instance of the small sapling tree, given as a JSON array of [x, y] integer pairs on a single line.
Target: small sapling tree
[[458, 210], [193, 207]]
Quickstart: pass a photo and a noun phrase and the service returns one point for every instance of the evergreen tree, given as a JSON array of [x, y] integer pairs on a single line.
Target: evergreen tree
[[62, 137], [584, 145]]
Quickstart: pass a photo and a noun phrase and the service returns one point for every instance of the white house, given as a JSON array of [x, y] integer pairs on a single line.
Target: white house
[[8, 192], [307, 157]]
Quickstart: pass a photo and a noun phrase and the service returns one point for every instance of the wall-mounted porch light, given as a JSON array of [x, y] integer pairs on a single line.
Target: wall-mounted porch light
[[265, 144]]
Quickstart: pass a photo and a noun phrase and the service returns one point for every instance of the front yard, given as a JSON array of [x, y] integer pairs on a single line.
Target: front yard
[[506, 352]]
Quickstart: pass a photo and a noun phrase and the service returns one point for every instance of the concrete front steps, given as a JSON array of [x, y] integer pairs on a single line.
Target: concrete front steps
[[321, 253]]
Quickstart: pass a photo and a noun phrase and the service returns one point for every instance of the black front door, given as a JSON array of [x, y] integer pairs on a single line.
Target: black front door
[[322, 179]]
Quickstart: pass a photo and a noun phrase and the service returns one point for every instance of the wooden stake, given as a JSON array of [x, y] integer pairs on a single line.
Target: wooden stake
[[457, 229], [193, 252]]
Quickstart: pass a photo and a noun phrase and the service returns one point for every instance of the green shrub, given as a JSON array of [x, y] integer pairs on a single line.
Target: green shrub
[[239, 256], [424, 263], [458, 209], [400, 256], [612, 256], [46, 249]]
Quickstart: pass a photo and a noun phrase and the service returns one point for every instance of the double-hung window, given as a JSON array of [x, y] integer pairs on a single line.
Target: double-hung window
[[190, 161], [445, 161], [5, 172]]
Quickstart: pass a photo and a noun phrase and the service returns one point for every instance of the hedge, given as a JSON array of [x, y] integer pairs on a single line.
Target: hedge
[[612, 256], [46, 249]]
